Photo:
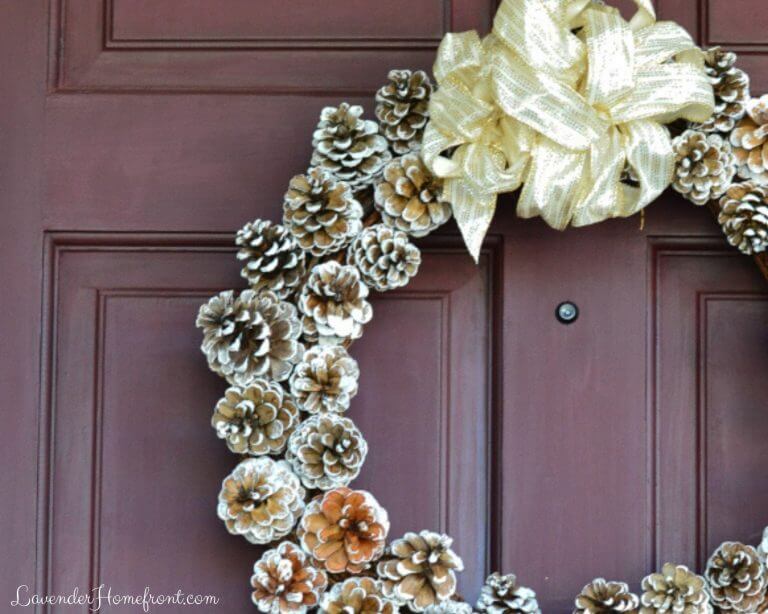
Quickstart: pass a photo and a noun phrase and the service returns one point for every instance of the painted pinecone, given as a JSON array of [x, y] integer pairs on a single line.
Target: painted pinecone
[[359, 595], [704, 166], [402, 109], [261, 500], [326, 451], [744, 216], [419, 570], [336, 299], [677, 590], [321, 212], [409, 198], [256, 419], [731, 87], [325, 380], [385, 257], [349, 147], [502, 595], [272, 259], [250, 336], [736, 578], [450, 606], [284, 580], [345, 530], [750, 142], [602, 597]]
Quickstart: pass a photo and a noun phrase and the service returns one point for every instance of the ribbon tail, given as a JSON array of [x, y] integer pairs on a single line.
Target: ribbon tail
[[473, 213]]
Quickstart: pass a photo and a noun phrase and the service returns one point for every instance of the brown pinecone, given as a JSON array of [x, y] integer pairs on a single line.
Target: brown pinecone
[[409, 198], [348, 147], [250, 336], [385, 257], [284, 580], [309, 334], [272, 259], [731, 86], [325, 380], [261, 500], [336, 299], [736, 578], [419, 570], [704, 166], [450, 606], [502, 595], [744, 216], [256, 419], [750, 142], [321, 213], [676, 590], [357, 596], [402, 109], [326, 451], [345, 530], [602, 597]]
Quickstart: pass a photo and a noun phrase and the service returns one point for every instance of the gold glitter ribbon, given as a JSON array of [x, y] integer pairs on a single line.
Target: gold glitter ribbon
[[560, 98]]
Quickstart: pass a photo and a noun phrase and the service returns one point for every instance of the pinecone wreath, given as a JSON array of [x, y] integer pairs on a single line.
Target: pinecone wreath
[[349, 147], [326, 451], [676, 590], [402, 109], [744, 217], [261, 500], [602, 597], [257, 419], [502, 595], [385, 257], [750, 142], [420, 570], [736, 578], [325, 380], [358, 595], [250, 336], [284, 580], [409, 198], [731, 88], [321, 212], [704, 166], [272, 260]]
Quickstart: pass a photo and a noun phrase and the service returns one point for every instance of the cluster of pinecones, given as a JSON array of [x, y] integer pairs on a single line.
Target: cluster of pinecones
[[724, 161]]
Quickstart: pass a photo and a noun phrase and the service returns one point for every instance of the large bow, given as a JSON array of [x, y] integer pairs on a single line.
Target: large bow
[[561, 97]]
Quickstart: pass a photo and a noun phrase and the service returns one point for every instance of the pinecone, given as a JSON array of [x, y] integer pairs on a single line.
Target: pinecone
[[736, 578], [744, 216], [250, 336], [284, 580], [349, 147], [335, 298], [309, 334], [357, 596], [272, 258], [402, 109], [256, 419], [602, 597], [419, 570], [385, 257], [326, 451], [704, 166], [261, 500], [450, 606], [321, 212], [502, 595], [325, 380], [750, 142], [762, 549], [731, 86], [345, 530], [676, 590], [409, 198]]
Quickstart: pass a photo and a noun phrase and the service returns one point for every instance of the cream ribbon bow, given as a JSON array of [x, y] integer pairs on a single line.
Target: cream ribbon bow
[[559, 98]]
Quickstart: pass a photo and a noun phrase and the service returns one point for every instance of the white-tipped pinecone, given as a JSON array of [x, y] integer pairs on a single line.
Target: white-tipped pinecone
[[402, 109], [744, 217], [385, 257], [704, 166], [731, 87]]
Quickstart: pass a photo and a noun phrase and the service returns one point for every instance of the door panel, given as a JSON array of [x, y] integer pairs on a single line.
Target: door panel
[[138, 137]]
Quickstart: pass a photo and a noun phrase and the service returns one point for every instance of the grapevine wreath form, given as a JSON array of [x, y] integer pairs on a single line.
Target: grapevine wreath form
[[594, 117]]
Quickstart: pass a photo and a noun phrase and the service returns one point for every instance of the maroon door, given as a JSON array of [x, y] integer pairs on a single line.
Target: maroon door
[[138, 135]]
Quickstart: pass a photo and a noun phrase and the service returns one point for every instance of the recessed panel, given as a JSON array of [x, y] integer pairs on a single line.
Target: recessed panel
[[737, 22]]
